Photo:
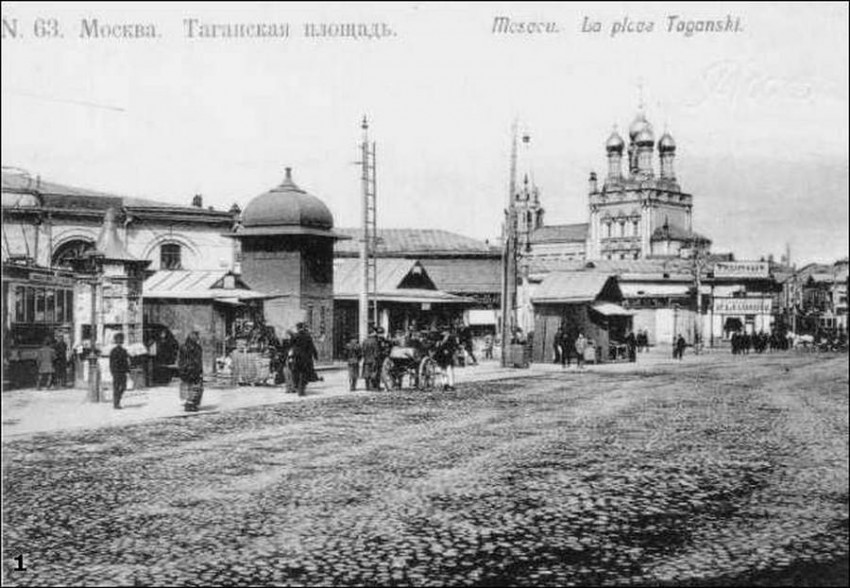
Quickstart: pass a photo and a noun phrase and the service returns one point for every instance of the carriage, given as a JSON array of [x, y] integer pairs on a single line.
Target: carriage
[[413, 360]]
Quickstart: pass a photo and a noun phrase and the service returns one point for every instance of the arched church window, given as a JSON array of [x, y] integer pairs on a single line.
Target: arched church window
[[170, 257], [67, 253]]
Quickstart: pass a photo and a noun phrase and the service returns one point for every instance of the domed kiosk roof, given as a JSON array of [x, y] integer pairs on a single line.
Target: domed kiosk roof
[[287, 210]]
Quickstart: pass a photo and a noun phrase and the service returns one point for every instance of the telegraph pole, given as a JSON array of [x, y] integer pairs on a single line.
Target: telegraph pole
[[699, 263], [509, 270], [368, 287]]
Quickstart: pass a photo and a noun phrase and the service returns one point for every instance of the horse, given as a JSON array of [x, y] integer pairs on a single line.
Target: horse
[[805, 342]]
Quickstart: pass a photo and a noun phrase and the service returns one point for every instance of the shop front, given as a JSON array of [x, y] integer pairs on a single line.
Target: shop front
[[583, 303]]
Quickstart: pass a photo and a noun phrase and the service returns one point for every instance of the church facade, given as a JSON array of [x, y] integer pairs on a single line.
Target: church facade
[[636, 211]]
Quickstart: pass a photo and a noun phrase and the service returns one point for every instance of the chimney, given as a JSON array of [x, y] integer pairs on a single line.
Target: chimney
[[198, 201]]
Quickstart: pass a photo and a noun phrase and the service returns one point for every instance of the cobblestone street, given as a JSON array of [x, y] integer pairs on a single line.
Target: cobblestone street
[[732, 470]]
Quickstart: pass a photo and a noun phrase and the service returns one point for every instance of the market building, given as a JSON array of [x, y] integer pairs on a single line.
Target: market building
[[580, 302], [456, 264], [406, 298], [54, 224], [814, 298]]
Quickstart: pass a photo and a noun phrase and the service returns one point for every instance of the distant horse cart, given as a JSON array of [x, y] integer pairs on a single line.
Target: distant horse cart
[[413, 362]]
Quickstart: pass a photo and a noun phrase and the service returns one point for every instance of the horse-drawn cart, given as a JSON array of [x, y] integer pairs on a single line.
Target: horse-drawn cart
[[413, 362]]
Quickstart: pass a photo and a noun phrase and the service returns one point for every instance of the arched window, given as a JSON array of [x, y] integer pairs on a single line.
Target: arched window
[[622, 229], [170, 257], [67, 253], [607, 229], [635, 228]]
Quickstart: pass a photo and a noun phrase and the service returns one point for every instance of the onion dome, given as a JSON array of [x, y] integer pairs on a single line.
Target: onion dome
[[666, 143], [287, 210], [639, 124], [645, 138], [614, 143]]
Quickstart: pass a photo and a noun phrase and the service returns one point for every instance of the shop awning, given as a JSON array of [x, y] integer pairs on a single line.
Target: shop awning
[[573, 287], [648, 290], [413, 296], [220, 286], [611, 309]]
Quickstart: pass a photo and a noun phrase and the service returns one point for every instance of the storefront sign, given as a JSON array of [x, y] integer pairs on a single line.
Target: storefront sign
[[742, 305], [741, 269]]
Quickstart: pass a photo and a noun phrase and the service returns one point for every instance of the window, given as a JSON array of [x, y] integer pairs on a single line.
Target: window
[[169, 257], [68, 253], [39, 306], [50, 305], [69, 306], [20, 306], [635, 227], [60, 306], [608, 229], [622, 229]]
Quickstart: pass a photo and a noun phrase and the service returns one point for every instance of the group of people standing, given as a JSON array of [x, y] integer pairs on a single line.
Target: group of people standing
[[376, 348], [190, 369], [743, 342], [568, 348]]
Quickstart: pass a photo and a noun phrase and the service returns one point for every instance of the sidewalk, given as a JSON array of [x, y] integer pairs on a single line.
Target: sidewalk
[[28, 411]]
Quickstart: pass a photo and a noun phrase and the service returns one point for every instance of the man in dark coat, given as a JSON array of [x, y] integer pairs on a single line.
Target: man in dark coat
[[631, 345], [60, 362], [353, 355], [371, 356], [119, 367], [305, 353], [557, 346], [465, 336], [190, 365], [679, 349]]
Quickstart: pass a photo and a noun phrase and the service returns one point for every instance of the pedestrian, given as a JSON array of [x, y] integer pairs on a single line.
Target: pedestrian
[[488, 346], [444, 356], [190, 365], [631, 345], [558, 346], [353, 355], [679, 350], [60, 362], [580, 347], [119, 367], [465, 336], [371, 350], [305, 353], [642, 340], [45, 358]]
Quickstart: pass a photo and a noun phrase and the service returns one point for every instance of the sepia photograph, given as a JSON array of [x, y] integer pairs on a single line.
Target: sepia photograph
[[425, 294]]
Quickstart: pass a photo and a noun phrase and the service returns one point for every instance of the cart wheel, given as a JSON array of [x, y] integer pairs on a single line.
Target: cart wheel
[[387, 374], [427, 374]]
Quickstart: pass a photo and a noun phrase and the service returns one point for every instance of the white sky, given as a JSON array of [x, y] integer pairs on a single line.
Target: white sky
[[224, 117]]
